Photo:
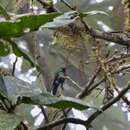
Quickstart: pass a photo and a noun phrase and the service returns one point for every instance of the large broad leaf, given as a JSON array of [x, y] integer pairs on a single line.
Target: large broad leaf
[[9, 121], [24, 24], [56, 102]]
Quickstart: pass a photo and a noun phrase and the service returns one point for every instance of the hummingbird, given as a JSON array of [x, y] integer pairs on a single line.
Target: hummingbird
[[59, 80]]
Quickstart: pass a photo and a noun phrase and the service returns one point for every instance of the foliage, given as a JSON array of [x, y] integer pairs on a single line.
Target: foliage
[[71, 35]]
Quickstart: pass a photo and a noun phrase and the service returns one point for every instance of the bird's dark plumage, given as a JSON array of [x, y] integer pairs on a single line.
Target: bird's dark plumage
[[58, 80]]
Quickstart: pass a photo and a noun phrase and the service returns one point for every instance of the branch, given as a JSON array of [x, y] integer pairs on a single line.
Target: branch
[[72, 81], [62, 121], [44, 113], [15, 46], [116, 58], [124, 98], [108, 36], [84, 92], [119, 39], [121, 68], [87, 90], [94, 86], [14, 66], [67, 4], [107, 105]]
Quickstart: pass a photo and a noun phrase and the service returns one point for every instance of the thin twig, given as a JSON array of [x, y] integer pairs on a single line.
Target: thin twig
[[121, 68], [116, 58], [44, 113], [70, 79], [124, 98], [14, 66], [84, 92], [67, 4], [95, 86], [64, 127], [65, 124], [14, 44]]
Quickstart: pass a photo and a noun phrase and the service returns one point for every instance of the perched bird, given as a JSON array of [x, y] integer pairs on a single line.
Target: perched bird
[[59, 79]]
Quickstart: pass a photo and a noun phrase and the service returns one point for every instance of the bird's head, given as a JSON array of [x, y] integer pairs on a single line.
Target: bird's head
[[63, 69]]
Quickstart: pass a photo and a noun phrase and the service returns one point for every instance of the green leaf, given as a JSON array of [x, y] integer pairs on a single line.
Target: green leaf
[[56, 102], [5, 49], [24, 24], [9, 121]]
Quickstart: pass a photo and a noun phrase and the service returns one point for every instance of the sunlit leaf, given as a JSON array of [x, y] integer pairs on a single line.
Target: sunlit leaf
[[62, 20]]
